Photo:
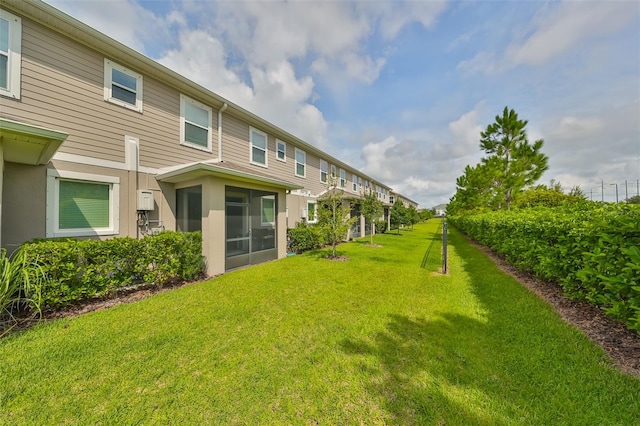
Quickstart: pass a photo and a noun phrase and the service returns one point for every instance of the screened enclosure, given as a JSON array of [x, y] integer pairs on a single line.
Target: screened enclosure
[[251, 226]]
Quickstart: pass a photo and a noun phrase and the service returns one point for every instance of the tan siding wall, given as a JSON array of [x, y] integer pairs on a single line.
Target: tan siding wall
[[236, 149], [25, 218], [235, 140], [24, 196], [62, 89]]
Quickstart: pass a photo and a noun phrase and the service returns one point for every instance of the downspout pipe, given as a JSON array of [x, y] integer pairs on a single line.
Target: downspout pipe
[[220, 111]]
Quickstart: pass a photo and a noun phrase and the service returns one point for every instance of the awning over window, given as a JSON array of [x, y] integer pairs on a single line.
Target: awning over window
[[29, 144], [223, 169]]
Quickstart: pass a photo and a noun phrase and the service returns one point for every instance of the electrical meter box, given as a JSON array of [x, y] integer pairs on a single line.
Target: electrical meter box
[[145, 200]]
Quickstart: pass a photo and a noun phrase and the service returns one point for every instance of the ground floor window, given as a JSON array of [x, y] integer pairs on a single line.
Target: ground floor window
[[81, 204], [312, 212]]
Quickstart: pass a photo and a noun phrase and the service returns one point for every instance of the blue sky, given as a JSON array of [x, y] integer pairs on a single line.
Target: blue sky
[[401, 90]]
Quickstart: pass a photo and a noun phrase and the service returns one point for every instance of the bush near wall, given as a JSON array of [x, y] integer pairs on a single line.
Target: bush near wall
[[592, 250], [305, 237], [381, 226], [82, 269]]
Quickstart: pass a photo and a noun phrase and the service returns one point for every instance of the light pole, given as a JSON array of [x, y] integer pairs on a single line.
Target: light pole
[[616, 191]]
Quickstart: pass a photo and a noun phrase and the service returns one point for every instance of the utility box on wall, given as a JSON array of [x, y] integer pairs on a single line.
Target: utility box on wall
[[145, 200]]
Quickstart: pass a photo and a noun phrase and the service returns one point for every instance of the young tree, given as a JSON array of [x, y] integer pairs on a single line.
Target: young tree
[[426, 214], [412, 215], [371, 209], [513, 162], [333, 217], [475, 190], [398, 214]]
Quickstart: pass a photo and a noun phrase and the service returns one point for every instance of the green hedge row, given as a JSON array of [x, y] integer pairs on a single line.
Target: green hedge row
[[76, 270], [592, 250]]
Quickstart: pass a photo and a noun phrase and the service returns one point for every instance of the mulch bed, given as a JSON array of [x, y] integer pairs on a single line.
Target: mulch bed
[[337, 258], [621, 344]]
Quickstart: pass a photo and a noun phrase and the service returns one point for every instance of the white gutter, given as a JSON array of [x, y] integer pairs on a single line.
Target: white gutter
[[220, 111]]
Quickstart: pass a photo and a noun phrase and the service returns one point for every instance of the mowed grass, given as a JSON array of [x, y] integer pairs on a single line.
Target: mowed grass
[[304, 340]]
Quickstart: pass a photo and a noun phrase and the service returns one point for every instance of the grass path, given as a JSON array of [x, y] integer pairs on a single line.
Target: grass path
[[303, 340]]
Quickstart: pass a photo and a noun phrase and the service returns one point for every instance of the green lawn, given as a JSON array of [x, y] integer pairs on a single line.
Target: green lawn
[[304, 340]]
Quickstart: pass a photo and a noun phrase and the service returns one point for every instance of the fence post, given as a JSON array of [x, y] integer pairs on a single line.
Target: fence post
[[444, 246]]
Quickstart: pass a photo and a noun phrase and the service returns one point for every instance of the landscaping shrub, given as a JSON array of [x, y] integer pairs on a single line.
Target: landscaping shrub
[[20, 282], [81, 269], [591, 250], [381, 226], [305, 237]]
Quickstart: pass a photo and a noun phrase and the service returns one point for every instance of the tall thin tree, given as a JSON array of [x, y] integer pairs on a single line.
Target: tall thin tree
[[516, 162], [372, 209]]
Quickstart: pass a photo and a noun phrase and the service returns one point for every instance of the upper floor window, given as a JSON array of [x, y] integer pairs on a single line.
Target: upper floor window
[[343, 178], [359, 182], [122, 86], [324, 168], [354, 182], [258, 147], [301, 163], [281, 150], [10, 54], [195, 124], [333, 171]]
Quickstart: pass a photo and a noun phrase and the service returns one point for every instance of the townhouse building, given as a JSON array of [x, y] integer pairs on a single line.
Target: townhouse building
[[405, 200], [100, 141]]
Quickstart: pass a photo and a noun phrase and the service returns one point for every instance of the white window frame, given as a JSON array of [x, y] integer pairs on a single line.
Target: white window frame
[[183, 122], [304, 165], [278, 151], [313, 219], [14, 55], [354, 182], [53, 204], [275, 213], [325, 171], [253, 130], [108, 95], [334, 171], [343, 178]]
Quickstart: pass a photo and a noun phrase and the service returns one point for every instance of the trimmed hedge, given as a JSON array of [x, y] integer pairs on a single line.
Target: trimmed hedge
[[592, 250], [305, 237], [82, 269]]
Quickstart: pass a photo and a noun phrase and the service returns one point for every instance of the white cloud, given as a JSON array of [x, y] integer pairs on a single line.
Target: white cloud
[[423, 168], [482, 62], [393, 16], [465, 133], [557, 29], [603, 146], [377, 156], [363, 68], [565, 26], [273, 90], [124, 20]]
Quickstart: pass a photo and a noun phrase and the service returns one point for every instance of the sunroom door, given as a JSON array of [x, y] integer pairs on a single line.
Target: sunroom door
[[250, 226]]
